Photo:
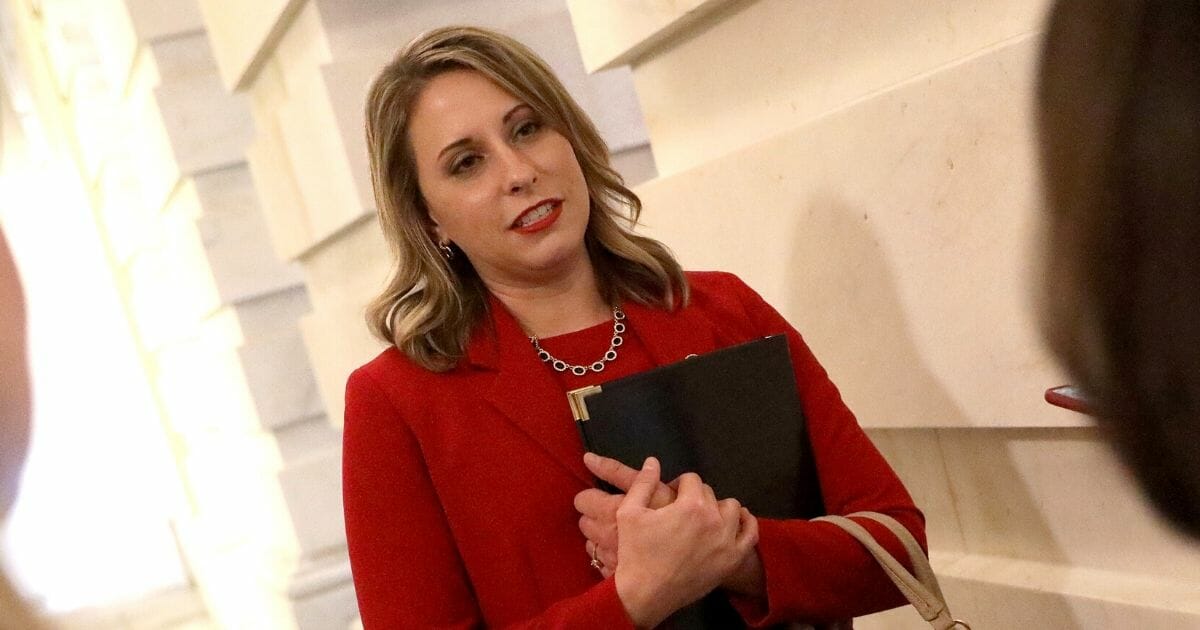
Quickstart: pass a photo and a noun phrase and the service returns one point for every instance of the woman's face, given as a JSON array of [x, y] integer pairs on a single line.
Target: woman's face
[[498, 182]]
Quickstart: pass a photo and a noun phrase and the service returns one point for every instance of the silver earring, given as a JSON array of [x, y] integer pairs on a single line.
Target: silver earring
[[447, 252]]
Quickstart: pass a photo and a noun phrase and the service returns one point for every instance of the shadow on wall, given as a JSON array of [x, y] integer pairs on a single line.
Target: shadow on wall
[[966, 481], [849, 302]]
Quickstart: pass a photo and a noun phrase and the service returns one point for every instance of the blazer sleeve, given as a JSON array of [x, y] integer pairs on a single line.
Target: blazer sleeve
[[815, 572], [406, 567]]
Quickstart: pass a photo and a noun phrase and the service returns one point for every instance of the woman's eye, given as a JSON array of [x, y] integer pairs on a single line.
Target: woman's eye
[[464, 163], [527, 128]]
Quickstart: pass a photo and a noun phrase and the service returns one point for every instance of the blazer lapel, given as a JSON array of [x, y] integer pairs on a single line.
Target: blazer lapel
[[670, 336], [525, 392]]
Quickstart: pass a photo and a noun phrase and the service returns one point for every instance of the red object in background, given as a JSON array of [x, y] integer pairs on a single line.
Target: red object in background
[[1068, 397]]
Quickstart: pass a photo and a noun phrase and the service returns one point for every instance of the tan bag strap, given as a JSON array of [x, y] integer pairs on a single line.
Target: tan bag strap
[[921, 589]]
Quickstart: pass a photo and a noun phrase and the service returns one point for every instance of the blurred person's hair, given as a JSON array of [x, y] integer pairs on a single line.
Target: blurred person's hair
[[430, 305], [1119, 119]]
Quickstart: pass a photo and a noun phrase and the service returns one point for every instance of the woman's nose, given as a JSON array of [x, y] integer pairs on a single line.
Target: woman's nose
[[519, 171]]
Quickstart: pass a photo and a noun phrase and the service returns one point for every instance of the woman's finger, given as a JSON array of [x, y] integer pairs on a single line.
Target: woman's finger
[[607, 556], [731, 516], [642, 488], [747, 536], [610, 470], [622, 476], [690, 486], [601, 531], [597, 503]]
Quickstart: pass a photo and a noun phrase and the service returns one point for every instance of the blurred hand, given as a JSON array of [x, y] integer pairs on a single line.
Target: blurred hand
[[672, 556]]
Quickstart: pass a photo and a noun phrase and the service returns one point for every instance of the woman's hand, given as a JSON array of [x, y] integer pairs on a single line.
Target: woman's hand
[[672, 556], [598, 522], [598, 509]]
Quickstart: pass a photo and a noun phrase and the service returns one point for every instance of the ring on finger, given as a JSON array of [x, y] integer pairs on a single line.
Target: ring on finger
[[596, 563]]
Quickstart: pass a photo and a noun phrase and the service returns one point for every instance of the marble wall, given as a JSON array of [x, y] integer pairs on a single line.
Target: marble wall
[[872, 165]]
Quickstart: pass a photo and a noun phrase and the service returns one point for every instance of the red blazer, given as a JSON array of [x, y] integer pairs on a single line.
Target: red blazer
[[458, 486]]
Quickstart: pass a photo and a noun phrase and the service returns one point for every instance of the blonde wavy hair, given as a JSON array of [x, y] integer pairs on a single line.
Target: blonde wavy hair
[[430, 306]]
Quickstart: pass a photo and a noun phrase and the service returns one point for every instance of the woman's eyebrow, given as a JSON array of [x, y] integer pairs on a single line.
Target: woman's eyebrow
[[454, 145], [463, 141], [512, 112]]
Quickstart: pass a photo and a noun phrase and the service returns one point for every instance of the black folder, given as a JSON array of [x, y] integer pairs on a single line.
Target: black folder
[[733, 416]]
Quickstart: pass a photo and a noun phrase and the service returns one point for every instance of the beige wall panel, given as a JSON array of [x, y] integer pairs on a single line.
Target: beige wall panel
[[770, 65], [172, 290], [232, 583], [245, 33], [916, 456], [313, 490], [342, 278], [635, 165], [317, 155], [278, 370], [324, 606], [347, 84], [148, 143], [1025, 599], [234, 232], [207, 127], [1059, 496], [101, 127], [238, 498], [896, 235], [283, 207], [1042, 511], [181, 58], [160, 19], [303, 48], [617, 33], [121, 210], [112, 33], [200, 381]]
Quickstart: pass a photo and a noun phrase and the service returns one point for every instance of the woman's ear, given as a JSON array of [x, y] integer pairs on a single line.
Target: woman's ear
[[434, 230], [439, 238]]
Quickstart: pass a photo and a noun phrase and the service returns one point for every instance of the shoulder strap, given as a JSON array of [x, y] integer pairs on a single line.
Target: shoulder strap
[[921, 589]]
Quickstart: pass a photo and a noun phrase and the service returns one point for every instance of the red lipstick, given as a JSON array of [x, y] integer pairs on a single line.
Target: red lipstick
[[538, 217]]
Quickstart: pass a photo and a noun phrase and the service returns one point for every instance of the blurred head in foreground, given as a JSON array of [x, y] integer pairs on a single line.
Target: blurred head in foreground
[[1119, 117]]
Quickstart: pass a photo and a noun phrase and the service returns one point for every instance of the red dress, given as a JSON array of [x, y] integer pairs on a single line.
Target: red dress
[[459, 486]]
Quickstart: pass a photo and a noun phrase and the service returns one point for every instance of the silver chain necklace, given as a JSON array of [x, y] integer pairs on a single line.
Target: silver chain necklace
[[580, 370]]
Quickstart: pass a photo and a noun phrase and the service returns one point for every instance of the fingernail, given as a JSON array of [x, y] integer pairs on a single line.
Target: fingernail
[[590, 458], [650, 461]]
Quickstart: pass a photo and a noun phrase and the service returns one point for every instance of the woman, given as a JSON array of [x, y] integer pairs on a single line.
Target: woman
[[468, 500]]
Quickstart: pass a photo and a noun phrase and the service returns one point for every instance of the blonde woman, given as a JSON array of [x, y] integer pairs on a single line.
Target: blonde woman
[[518, 277]]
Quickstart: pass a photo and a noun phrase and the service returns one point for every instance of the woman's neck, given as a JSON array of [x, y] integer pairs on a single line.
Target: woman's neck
[[565, 304]]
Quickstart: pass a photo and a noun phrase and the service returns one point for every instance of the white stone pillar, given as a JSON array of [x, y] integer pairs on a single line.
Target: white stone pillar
[[161, 147]]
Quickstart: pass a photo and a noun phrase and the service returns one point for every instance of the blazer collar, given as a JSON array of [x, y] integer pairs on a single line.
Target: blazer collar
[[525, 391], [671, 336]]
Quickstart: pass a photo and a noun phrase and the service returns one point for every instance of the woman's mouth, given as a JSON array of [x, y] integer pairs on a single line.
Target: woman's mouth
[[539, 217]]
